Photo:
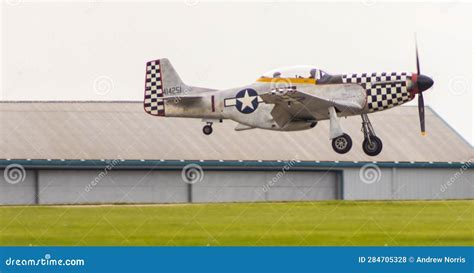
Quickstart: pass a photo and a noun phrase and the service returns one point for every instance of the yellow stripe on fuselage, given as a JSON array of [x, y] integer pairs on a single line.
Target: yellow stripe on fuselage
[[288, 80]]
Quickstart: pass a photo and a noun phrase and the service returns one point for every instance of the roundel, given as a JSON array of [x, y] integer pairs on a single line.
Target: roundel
[[246, 101]]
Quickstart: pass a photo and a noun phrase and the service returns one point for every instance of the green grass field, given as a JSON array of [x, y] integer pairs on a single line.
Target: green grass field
[[344, 223]]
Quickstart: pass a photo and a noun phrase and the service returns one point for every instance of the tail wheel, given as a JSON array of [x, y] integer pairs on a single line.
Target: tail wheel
[[372, 147], [342, 144], [207, 130]]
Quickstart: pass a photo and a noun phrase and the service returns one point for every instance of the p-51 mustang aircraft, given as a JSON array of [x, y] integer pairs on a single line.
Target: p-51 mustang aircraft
[[288, 100]]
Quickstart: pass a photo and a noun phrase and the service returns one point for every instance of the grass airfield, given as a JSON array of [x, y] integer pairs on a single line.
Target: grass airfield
[[335, 223]]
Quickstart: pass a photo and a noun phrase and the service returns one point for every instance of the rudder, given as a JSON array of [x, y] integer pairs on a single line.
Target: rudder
[[161, 81]]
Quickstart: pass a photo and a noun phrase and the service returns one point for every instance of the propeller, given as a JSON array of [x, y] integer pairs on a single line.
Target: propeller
[[421, 83], [421, 102]]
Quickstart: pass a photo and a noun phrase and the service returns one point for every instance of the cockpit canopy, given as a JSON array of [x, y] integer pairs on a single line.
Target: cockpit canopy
[[296, 72]]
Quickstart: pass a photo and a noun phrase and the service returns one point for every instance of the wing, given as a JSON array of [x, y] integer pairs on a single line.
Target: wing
[[313, 102]]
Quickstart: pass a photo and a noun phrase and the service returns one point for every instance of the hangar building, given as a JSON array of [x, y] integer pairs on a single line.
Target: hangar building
[[113, 152]]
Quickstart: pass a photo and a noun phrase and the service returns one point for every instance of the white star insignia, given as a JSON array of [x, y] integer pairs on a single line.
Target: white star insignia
[[247, 101]]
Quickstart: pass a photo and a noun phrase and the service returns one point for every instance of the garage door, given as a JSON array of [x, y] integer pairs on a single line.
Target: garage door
[[239, 186]]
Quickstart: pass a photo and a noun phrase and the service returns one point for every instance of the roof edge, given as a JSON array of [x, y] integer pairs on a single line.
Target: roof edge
[[450, 127], [243, 164]]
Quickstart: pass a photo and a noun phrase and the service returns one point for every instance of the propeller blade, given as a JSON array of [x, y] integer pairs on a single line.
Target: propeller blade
[[421, 112], [417, 59]]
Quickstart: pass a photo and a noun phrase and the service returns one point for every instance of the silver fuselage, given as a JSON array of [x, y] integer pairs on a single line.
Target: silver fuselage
[[380, 91]]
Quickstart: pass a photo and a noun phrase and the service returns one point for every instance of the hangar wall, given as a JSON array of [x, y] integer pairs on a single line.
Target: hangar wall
[[167, 186], [74, 186], [410, 183]]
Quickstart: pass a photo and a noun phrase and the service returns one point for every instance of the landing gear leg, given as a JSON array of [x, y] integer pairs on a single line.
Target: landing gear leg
[[372, 145], [341, 142], [207, 129]]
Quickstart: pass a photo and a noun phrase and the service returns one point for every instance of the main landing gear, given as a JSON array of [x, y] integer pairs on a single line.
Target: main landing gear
[[372, 145], [342, 143], [207, 129]]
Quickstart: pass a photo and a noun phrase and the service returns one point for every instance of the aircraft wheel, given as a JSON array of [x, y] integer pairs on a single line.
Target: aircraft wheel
[[342, 144], [207, 130], [374, 148]]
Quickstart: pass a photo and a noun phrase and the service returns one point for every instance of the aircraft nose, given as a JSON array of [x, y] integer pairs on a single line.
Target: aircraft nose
[[424, 83]]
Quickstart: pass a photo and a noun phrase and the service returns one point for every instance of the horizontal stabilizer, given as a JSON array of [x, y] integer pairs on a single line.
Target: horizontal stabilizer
[[183, 98], [242, 127]]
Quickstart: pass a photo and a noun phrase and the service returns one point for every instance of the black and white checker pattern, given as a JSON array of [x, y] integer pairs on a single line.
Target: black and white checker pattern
[[375, 77], [385, 96], [384, 90], [154, 103]]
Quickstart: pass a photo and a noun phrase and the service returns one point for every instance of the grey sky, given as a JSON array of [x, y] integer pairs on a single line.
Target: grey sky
[[60, 51]]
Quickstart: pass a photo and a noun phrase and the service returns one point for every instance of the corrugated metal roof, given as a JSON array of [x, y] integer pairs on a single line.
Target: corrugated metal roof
[[107, 130]]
